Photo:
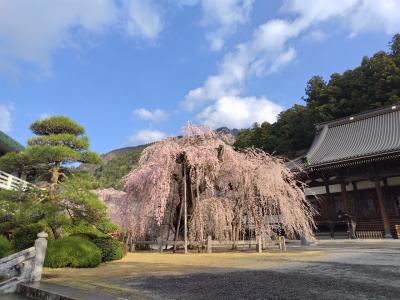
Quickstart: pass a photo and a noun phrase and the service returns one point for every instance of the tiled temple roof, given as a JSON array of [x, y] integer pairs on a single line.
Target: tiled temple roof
[[362, 138]]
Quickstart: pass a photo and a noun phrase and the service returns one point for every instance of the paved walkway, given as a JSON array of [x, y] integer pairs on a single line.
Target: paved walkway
[[327, 271]]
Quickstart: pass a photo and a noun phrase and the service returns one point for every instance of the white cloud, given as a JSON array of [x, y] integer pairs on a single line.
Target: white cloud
[[222, 18], [318, 35], [226, 16], [146, 136], [283, 59], [268, 50], [44, 116], [267, 47], [357, 15], [5, 117], [30, 31], [376, 15], [157, 115], [144, 19], [236, 112]]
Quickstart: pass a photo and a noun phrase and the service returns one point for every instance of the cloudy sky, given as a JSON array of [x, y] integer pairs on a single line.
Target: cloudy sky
[[134, 71]]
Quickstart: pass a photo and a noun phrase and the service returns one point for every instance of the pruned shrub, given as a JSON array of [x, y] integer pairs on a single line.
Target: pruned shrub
[[5, 247], [111, 249], [72, 252], [83, 230], [24, 237]]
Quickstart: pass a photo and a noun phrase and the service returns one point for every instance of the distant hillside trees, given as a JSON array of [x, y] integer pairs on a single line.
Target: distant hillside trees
[[373, 84], [111, 172]]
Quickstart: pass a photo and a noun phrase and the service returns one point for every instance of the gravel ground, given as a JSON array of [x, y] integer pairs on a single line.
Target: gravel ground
[[263, 285], [342, 274], [330, 270]]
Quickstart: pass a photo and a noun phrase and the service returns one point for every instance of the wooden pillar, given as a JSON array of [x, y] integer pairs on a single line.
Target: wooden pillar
[[382, 209], [344, 197], [356, 199], [328, 202]]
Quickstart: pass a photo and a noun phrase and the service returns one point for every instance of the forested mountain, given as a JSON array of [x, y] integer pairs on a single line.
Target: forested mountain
[[375, 83]]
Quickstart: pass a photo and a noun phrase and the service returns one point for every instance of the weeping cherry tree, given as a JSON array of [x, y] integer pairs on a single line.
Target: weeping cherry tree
[[228, 193]]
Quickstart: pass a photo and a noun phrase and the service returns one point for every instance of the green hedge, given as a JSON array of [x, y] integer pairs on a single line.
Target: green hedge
[[83, 230], [5, 247], [72, 252], [110, 249], [24, 237]]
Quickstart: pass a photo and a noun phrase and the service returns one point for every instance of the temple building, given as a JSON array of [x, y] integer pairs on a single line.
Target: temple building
[[353, 174]]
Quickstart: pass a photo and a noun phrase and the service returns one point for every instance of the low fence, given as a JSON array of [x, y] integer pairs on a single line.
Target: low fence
[[23, 266], [211, 244], [369, 234], [11, 182]]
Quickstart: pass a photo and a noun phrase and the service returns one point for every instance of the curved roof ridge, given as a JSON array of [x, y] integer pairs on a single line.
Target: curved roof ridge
[[317, 143], [360, 116]]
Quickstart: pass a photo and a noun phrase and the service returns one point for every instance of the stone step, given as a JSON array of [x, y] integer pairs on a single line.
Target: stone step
[[13, 297], [8, 285], [55, 291]]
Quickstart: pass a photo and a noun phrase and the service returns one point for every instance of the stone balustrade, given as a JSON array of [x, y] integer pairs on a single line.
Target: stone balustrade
[[23, 266]]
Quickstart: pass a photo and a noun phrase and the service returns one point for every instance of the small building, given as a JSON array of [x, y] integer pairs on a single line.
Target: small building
[[8, 181], [7, 144], [353, 174]]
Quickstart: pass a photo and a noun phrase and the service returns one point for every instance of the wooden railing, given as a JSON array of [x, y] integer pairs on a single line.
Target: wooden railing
[[369, 234], [11, 182], [23, 266]]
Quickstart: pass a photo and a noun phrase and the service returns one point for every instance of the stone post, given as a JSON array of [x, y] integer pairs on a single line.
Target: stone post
[[40, 247], [132, 247], [303, 240], [259, 244], [209, 244]]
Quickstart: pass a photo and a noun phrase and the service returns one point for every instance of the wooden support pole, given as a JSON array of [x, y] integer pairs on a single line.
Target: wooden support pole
[[185, 208], [130, 242], [160, 247], [178, 225], [382, 209]]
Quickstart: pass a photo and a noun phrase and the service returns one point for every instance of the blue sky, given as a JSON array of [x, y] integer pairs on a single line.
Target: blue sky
[[134, 71]]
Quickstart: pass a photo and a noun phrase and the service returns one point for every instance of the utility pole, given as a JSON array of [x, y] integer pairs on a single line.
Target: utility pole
[[185, 208]]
